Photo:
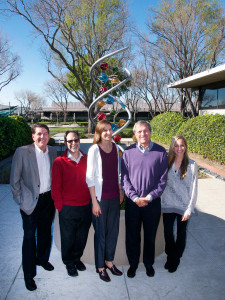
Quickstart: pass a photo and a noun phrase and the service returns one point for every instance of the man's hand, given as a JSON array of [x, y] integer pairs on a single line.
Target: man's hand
[[142, 201]]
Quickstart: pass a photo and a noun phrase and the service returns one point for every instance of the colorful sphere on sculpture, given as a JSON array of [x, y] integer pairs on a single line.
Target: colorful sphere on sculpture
[[101, 104], [113, 112], [114, 127], [103, 78], [115, 69], [122, 122], [104, 65], [101, 116], [117, 138], [110, 100], [103, 89], [115, 80]]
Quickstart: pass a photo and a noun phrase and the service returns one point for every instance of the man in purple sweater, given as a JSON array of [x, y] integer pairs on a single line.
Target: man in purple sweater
[[144, 171]]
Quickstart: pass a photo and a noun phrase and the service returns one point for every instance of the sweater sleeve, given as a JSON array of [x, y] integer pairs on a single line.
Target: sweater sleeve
[[158, 189], [125, 179], [56, 187], [193, 198]]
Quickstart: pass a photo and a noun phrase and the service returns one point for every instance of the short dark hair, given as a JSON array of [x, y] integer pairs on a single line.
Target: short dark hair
[[70, 131], [37, 125]]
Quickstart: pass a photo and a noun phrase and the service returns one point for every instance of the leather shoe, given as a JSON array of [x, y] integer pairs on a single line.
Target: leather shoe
[[48, 266], [114, 270], [72, 270], [80, 266], [150, 271], [30, 284], [103, 275], [167, 265], [131, 272]]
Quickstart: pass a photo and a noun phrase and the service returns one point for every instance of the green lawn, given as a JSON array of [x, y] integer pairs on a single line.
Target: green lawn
[[54, 130]]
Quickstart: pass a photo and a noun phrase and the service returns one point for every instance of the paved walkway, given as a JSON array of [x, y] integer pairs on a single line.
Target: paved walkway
[[200, 275]]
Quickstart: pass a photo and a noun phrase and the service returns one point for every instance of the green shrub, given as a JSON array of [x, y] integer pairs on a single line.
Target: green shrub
[[206, 135], [165, 126], [14, 132]]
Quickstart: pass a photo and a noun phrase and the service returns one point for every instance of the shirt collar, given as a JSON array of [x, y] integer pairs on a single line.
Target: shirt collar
[[70, 156], [147, 149], [39, 150]]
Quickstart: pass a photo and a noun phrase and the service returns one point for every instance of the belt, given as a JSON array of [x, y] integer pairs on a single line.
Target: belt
[[44, 194]]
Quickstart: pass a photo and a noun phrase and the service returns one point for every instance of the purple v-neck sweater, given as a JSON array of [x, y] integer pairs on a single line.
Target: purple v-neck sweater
[[144, 173]]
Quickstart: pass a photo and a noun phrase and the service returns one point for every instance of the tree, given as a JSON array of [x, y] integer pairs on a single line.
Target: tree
[[58, 94], [30, 103], [10, 67], [187, 37], [77, 33]]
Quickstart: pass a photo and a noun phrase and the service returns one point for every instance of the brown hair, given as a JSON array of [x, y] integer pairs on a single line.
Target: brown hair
[[99, 129], [37, 125], [70, 131], [171, 156]]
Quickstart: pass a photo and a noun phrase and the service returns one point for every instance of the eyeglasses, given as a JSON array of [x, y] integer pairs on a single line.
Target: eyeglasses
[[75, 141]]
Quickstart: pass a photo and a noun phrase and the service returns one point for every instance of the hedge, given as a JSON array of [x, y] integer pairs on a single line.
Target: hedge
[[205, 134], [14, 132], [165, 126]]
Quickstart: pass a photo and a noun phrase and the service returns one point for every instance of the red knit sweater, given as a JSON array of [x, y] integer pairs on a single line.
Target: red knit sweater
[[69, 185]]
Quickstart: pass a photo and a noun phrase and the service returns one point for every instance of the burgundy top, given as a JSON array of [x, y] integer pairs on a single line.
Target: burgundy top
[[110, 186]]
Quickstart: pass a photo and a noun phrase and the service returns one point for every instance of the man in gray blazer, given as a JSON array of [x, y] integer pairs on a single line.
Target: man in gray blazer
[[30, 182]]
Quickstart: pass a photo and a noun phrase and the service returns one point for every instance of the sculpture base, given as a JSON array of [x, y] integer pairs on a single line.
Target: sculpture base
[[120, 256]]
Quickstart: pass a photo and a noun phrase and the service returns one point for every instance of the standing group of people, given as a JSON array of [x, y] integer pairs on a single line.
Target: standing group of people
[[85, 188]]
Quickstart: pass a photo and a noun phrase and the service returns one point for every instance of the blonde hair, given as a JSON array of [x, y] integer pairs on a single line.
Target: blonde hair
[[171, 156], [99, 129]]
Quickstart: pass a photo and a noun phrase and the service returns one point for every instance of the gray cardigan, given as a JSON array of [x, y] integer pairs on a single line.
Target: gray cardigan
[[180, 195]]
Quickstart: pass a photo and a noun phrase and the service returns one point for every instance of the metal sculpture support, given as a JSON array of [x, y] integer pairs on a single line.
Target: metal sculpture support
[[107, 93]]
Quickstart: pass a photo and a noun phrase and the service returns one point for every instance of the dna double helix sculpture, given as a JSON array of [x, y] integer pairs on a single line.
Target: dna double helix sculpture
[[108, 73]]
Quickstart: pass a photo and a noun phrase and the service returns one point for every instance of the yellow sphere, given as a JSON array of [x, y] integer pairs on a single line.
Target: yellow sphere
[[122, 122], [101, 104], [115, 80]]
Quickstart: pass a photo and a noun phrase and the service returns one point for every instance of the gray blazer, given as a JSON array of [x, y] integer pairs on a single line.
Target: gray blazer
[[24, 177]]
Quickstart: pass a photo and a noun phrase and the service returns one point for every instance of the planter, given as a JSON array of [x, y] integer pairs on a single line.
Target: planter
[[120, 256]]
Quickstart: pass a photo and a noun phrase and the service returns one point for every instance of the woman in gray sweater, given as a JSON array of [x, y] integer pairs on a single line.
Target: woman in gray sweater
[[178, 200]]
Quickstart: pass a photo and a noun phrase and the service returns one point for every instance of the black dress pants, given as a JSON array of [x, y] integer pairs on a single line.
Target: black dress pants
[[174, 245], [74, 224], [135, 216], [106, 231], [37, 237]]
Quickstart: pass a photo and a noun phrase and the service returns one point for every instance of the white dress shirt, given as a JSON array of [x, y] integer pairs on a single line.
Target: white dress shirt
[[43, 162], [70, 156]]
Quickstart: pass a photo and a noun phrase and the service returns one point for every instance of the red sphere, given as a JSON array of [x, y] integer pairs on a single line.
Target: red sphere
[[104, 65], [101, 116], [117, 138], [103, 89]]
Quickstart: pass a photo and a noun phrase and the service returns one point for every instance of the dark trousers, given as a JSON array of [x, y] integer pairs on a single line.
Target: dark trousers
[[74, 224], [36, 248], [174, 246], [135, 216], [106, 231]]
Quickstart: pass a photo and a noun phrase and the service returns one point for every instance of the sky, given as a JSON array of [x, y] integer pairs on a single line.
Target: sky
[[34, 70]]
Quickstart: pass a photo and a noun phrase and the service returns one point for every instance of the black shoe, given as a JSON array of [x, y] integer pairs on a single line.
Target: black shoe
[[173, 268], [150, 271], [48, 266], [114, 270], [131, 272], [72, 270], [80, 266], [167, 265], [30, 284], [103, 275]]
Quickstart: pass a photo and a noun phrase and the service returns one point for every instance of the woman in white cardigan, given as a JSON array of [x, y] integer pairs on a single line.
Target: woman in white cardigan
[[103, 180], [178, 200]]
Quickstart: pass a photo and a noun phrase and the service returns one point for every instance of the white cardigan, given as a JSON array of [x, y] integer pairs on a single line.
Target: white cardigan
[[94, 170]]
